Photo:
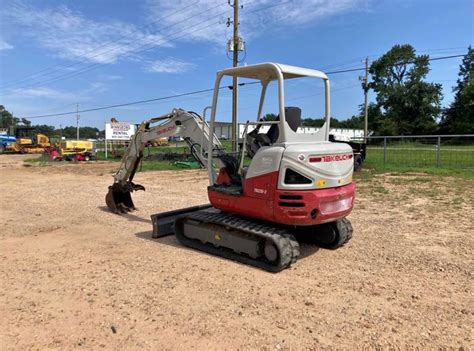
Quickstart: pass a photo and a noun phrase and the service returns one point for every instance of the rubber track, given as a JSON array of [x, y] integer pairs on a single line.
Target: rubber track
[[286, 243]]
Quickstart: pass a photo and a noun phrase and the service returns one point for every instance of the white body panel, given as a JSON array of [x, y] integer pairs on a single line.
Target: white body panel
[[323, 174], [291, 148], [266, 160], [298, 158]]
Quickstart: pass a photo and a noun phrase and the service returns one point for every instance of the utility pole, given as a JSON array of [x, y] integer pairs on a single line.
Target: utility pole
[[235, 62], [366, 106], [77, 121]]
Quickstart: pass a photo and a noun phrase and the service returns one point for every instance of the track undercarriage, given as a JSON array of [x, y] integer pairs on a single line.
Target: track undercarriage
[[265, 245], [261, 244]]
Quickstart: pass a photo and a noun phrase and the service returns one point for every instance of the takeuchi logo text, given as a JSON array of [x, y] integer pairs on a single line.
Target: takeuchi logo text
[[330, 158]]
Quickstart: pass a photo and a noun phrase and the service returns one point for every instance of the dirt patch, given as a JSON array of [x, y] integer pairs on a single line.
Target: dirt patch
[[76, 276]]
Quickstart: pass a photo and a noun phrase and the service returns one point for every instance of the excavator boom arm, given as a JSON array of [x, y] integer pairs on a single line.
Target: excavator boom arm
[[178, 122]]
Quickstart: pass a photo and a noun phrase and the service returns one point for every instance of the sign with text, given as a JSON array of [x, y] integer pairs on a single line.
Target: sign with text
[[119, 131]]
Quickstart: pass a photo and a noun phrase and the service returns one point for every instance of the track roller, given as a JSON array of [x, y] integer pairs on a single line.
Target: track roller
[[248, 241]]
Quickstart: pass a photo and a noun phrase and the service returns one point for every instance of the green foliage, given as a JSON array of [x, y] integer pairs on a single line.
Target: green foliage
[[84, 132], [318, 122], [355, 122], [270, 117], [409, 105], [458, 118], [47, 130], [7, 119]]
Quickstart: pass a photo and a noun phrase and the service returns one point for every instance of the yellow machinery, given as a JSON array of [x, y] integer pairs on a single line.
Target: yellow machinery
[[160, 142], [69, 147], [31, 145]]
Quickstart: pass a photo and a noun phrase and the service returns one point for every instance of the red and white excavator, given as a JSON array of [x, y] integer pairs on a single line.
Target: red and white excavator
[[296, 185]]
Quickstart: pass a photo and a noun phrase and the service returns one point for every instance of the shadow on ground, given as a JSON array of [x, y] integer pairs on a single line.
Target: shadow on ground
[[129, 216], [306, 249]]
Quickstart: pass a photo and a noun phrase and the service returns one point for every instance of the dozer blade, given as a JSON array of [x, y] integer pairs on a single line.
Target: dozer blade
[[119, 199], [163, 223]]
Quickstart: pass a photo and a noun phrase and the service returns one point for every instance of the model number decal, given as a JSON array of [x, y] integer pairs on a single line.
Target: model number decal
[[330, 158], [260, 191]]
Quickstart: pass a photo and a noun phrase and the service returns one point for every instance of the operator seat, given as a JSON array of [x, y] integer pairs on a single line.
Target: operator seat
[[293, 118], [257, 140]]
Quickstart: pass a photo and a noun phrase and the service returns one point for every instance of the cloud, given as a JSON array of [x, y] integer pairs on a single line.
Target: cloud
[[298, 12], [45, 93], [170, 65], [110, 77], [69, 34], [42, 92], [202, 20], [4, 45], [206, 20]]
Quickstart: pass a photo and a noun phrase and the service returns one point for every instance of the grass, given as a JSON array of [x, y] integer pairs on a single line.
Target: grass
[[400, 169], [158, 166], [401, 158], [407, 157], [413, 155], [42, 160]]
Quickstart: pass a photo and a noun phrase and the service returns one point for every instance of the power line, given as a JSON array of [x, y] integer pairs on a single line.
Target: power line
[[400, 64], [84, 56], [137, 50], [184, 31], [350, 62], [197, 92]]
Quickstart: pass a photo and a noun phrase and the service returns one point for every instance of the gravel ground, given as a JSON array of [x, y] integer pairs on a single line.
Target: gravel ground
[[75, 276]]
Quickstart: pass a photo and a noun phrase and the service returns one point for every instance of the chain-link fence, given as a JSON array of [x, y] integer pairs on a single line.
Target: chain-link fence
[[443, 151]]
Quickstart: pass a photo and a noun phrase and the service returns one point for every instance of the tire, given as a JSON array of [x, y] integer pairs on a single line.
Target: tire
[[357, 162]]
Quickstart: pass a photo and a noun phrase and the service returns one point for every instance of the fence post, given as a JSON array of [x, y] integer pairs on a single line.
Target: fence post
[[384, 150], [438, 152]]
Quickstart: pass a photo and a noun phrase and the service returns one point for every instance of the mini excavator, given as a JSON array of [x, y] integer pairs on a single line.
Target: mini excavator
[[296, 185]]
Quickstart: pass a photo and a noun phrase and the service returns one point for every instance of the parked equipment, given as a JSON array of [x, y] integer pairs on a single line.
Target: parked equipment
[[79, 150], [30, 141], [6, 141], [296, 184], [160, 142], [358, 149]]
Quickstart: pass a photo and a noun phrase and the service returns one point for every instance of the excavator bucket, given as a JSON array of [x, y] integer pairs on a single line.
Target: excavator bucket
[[119, 199]]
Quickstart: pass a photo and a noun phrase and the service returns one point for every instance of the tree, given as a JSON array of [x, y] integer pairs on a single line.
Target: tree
[[458, 118], [355, 122], [270, 117], [318, 122], [409, 105], [47, 130], [6, 118], [84, 132], [25, 122]]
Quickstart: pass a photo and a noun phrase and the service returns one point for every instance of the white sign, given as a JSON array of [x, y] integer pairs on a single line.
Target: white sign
[[341, 134], [119, 131]]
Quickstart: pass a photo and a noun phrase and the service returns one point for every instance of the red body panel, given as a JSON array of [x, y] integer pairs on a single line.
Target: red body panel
[[261, 199]]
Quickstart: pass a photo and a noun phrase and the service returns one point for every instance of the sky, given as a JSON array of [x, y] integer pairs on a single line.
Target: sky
[[55, 55]]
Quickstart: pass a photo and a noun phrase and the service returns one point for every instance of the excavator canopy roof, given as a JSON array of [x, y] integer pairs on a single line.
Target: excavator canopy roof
[[269, 71]]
